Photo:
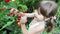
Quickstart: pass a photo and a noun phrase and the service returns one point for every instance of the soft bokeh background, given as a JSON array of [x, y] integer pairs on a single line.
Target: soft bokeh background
[[10, 27]]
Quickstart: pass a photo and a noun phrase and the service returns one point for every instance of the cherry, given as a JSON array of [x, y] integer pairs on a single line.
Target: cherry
[[19, 25], [17, 21], [19, 18], [24, 11], [19, 15], [9, 8], [7, 0], [12, 13], [8, 14]]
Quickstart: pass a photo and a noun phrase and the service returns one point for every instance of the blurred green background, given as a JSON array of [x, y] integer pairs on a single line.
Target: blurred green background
[[29, 6]]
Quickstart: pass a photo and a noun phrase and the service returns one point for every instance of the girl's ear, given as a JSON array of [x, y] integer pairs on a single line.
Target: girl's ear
[[39, 10]]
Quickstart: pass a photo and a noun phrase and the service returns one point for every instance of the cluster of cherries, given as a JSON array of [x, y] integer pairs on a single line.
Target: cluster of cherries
[[18, 14]]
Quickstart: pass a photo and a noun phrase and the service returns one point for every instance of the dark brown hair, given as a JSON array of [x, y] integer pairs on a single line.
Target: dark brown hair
[[48, 9]]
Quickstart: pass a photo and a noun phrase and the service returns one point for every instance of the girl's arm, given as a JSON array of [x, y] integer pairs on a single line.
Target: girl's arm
[[28, 14], [39, 17], [24, 30]]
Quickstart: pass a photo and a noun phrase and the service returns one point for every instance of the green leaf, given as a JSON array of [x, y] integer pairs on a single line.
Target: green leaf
[[8, 24], [23, 7], [4, 32]]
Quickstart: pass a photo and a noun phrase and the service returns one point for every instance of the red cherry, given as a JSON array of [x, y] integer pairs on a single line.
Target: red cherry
[[8, 14], [19, 15], [17, 20], [12, 13], [7, 0], [19, 25], [24, 11], [9, 8]]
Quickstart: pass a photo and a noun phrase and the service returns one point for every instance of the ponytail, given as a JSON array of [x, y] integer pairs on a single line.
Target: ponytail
[[49, 25]]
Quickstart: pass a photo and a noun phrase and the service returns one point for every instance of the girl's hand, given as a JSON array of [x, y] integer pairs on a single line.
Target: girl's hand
[[14, 10], [39, 17], [46, 19], [23, 19], [35, 15], [22, 13]]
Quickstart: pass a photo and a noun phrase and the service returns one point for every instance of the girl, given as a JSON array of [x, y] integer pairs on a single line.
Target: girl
[[45, 11]]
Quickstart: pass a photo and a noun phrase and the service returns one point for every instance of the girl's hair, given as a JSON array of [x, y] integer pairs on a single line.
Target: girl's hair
[[48, 9]]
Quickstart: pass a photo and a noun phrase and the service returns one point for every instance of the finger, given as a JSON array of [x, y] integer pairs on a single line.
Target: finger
[[21, 13], [35, 15], [46, 19], [12, 10], [15, 11]]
